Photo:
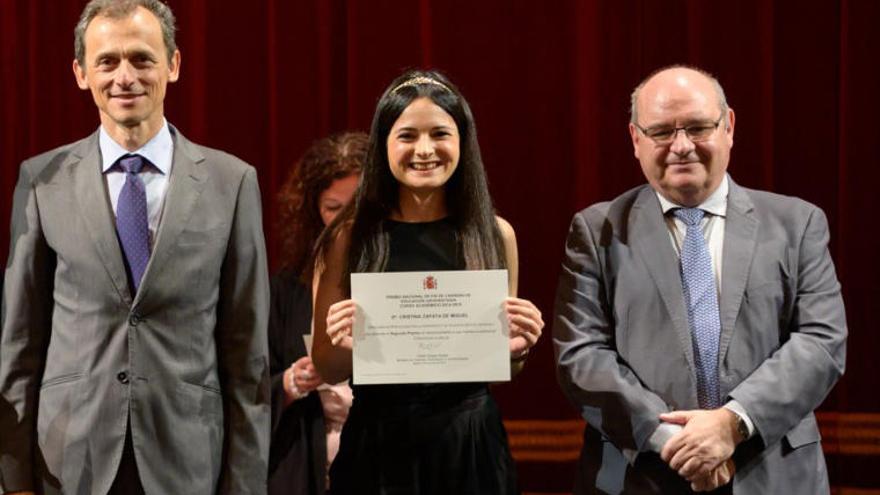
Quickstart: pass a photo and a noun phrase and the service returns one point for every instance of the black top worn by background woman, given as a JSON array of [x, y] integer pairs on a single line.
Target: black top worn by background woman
[[298, 451], [420, 439]]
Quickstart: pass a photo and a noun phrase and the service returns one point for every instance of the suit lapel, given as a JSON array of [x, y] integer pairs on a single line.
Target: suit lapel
[[740, 233], [651, 237], [96, 211], [184, 187]]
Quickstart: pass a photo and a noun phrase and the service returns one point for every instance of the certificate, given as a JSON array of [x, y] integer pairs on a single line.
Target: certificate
[[428, 327]]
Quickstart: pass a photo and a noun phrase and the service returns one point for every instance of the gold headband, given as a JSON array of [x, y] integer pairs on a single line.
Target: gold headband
[[414, 81]]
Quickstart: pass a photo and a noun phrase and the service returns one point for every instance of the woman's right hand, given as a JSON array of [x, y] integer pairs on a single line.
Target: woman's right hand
[[300, 379], [340, 320]]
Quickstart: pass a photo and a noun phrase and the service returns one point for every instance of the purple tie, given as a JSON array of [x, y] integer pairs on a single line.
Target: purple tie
[[131, 220]]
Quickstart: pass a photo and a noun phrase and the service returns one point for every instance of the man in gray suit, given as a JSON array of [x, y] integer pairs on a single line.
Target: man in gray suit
[[698, 323], [133, 355]]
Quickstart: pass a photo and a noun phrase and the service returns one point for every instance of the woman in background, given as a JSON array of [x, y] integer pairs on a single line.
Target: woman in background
[[306, 420], [423, 205]]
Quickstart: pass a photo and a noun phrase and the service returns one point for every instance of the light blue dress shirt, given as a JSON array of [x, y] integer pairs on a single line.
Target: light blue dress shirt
[[159, 152]]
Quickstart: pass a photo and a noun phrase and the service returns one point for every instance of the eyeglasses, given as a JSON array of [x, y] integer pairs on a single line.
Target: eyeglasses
[[697, 132]]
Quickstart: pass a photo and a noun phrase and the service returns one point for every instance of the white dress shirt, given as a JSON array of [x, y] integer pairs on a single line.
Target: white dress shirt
[[712, 224], [159, 154]]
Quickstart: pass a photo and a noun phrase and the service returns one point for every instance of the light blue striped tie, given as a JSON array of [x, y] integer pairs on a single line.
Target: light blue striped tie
[[701, 298]]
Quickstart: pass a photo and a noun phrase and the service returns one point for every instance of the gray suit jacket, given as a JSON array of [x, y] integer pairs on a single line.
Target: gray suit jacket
[[624, 349], [184, 361]]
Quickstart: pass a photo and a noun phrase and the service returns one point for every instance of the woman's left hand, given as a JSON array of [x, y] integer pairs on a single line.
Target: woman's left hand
[[525, 325]]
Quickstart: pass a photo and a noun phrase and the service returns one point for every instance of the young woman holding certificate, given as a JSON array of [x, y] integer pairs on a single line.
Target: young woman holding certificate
[[423, 204]]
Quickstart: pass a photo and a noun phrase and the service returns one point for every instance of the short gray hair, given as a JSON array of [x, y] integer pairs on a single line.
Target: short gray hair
[[118, 9], [719, 91]]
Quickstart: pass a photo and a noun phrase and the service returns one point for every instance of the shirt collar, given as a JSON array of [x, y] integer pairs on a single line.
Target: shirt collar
[[716, 203], [158, 150]]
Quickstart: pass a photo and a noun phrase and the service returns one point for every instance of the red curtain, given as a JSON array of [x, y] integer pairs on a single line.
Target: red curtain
[[549, 84]]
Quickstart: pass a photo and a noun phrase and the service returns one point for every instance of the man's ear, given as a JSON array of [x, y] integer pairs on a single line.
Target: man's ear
[[80, 73], [174, 67], [634, 135], [731, 120]]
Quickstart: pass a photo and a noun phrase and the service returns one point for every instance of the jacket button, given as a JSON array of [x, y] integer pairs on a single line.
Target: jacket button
[[122, 376], [134, 319]]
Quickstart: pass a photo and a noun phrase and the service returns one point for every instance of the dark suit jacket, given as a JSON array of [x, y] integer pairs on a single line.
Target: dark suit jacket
[[624, 348], [184, 361], [298, 453]]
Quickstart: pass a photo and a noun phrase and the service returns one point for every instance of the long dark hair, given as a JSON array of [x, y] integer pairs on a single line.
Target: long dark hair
[[467, 193], [299, 216]]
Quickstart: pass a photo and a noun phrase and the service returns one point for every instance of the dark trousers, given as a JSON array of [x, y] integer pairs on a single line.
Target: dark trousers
[[127, 481]]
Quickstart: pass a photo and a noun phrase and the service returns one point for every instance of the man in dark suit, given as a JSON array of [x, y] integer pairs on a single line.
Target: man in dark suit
[[133, 355], [698, 323]]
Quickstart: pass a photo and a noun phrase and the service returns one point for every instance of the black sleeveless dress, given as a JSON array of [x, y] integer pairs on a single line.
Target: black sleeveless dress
[[423, 439]]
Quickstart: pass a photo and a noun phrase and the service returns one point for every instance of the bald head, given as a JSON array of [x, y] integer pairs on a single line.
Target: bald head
[[678, 77], [682, 133]]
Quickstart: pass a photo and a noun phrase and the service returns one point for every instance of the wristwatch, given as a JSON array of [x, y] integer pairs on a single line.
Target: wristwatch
[[742, 429]]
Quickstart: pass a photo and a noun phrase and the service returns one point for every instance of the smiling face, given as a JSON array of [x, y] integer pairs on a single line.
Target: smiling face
[[423, 147], [683, 171], [337, 195], [127, 69]]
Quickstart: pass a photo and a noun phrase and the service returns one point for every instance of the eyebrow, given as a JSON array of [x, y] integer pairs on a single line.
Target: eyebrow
[[136, 53], [415, 129], [686, 122]]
